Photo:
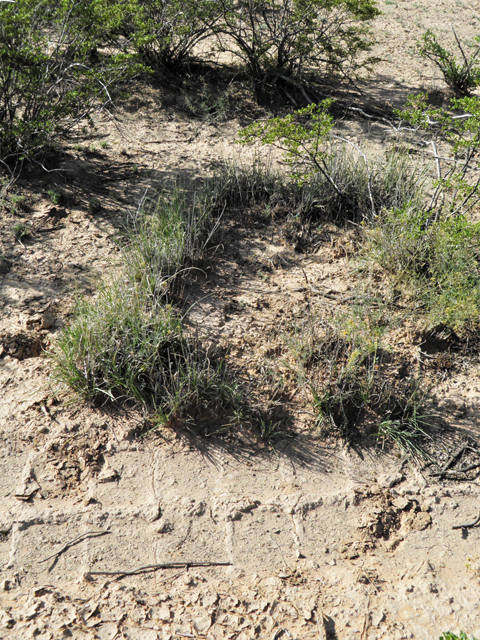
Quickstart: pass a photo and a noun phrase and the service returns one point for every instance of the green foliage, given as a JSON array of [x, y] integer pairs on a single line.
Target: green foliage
[[354, 388], [462, 77], [125, 346], [57, 196], [166, 236], [448, 635], [302, 135], [437, 262], [48, 81], [331, 176], [457, 183], [20, 231], [128, 344], [94, 206], [290, 36], [164, 32]]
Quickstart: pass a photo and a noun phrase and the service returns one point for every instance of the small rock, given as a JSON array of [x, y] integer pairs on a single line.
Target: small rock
[[5, 585], [152, 512], [163, 613], [203, 624], [421, 521], [6, 620], [273, 581], [33, 611], [108, 474], [166, 527], [377, 618], [402, 503], [388, 480], [209, 600], [138, 633], [48, 319], [107, 631]]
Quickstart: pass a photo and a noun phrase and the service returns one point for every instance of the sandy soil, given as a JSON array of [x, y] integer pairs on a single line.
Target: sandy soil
[[310, 540]]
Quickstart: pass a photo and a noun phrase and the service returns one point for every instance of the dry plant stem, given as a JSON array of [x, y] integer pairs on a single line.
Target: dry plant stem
[[450, 462], [155, 567], [80, 538], [468, 525], [369, 182]]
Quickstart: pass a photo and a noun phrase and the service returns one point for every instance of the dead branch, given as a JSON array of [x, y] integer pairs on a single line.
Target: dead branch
[[156, 567], [71, 543], [468, 525]]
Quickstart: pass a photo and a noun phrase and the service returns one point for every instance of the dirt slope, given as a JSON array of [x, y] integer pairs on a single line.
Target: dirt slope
[[320, 541]]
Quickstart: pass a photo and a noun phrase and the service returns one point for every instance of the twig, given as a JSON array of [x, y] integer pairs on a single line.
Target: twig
[[49, 229], [470, 467], [80, 538], [455, 458], [155, 567], [182, 541], [468, 525]]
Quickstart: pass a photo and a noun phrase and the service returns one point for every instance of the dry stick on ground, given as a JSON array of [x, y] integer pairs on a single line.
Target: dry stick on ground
[[450, 462], [155, 567], [80, 538], [468, 525]]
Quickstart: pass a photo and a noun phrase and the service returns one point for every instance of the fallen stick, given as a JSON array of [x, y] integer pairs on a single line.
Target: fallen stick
[[155, 567], [80, 538], [469, 467], [469, 525], [455, 458]]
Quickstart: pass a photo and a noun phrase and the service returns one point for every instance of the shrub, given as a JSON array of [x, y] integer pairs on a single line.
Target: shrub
[[462, 77], [165, 32], [335, 176], [457, 183], [48, 83], [290, 36]]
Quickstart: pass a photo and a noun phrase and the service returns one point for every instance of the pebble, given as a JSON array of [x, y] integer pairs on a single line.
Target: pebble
[[388, 480]]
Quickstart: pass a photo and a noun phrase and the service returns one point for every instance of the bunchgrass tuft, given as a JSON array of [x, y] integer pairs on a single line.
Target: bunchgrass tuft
[[434, 262], [354, 386], [354, 191], [127, 346]]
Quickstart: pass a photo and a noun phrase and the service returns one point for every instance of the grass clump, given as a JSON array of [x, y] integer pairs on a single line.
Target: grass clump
[[330, 175], [357, 387], [435, 262], [129, 344], [126, 346], [167, 234]]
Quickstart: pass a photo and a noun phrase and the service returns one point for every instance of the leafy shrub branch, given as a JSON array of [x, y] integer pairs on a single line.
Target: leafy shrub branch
[[279, 40], [49, 81], [461, 76], [336, 172], [457, 178]]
